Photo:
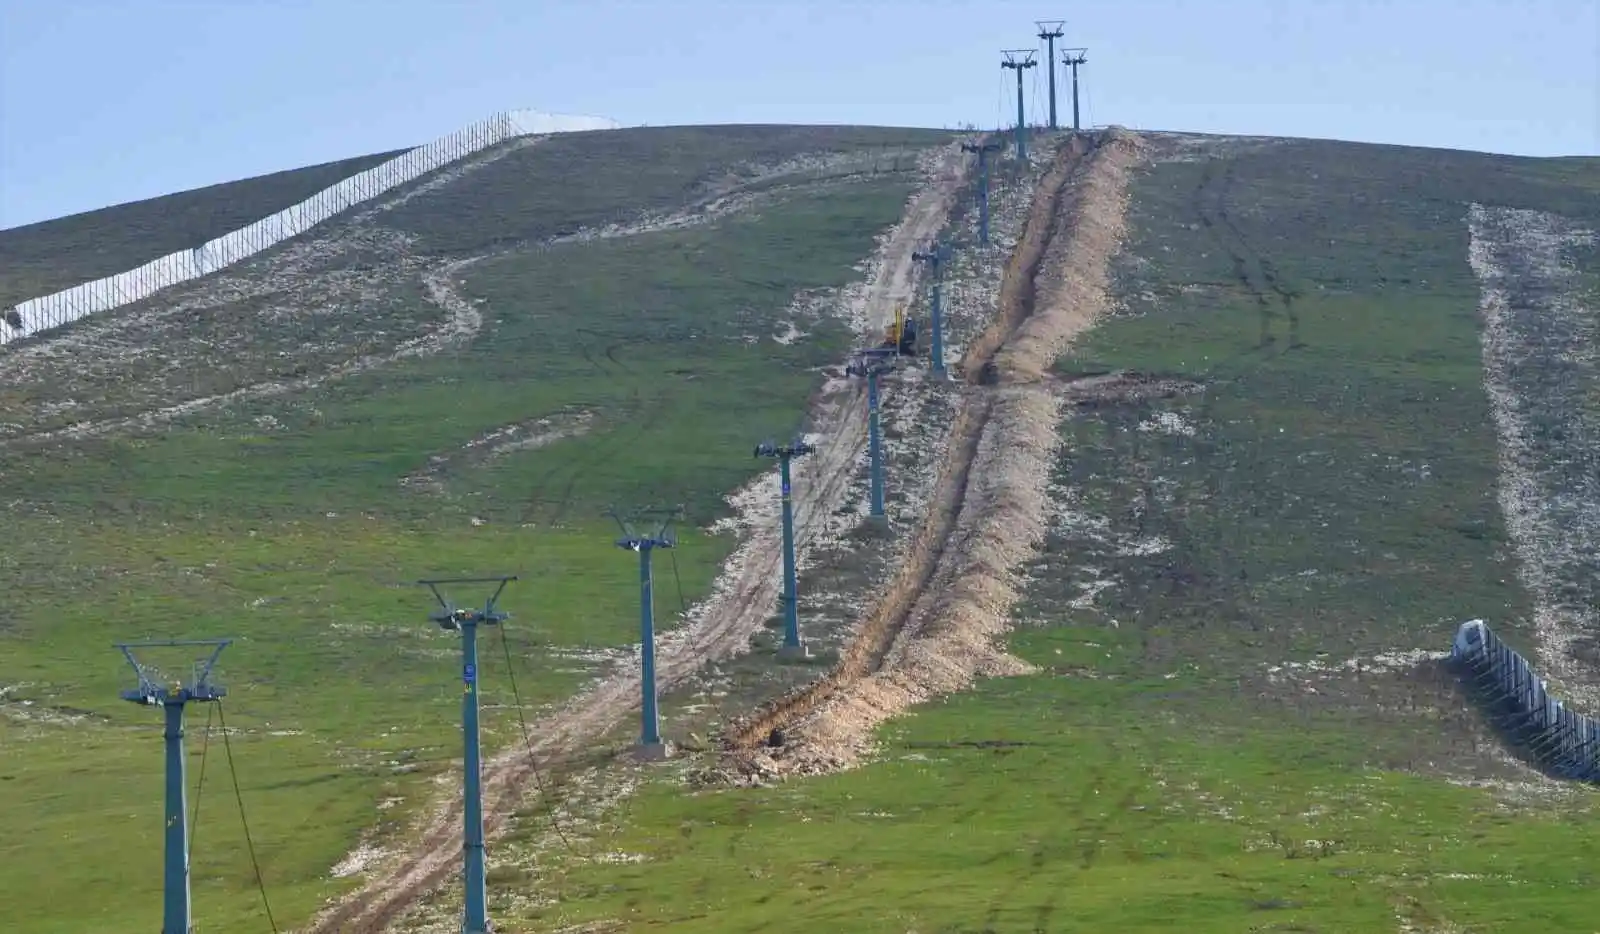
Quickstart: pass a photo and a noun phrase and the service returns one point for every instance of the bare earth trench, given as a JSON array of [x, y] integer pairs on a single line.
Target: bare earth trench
[[934, 628], [975, 506], [720, 627], [843, 564]]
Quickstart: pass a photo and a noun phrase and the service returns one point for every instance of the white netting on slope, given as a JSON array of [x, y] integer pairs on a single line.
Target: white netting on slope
[[51, 311]]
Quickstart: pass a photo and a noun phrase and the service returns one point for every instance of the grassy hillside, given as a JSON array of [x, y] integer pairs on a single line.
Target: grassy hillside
[[359, 287], [591, 179], [37, 259], [1239, 719], [294, 515]]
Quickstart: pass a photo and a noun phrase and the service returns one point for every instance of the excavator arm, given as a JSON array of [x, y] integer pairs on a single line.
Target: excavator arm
[[901, 334]]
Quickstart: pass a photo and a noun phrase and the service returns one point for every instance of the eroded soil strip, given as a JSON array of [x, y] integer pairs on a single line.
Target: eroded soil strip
[[875, 634], [934, 628], [722, 629], [1540, 366]]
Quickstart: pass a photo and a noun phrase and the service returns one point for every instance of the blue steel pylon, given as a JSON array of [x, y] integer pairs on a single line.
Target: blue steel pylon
[[650, 745], [936, 259], [1074, 58], [1050, 31], [475, 903], [1019, 65], [871, 364], [983, 149], [792, 647], [175, 903]]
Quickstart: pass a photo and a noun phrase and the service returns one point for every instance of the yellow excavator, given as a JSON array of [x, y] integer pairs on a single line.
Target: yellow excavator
[[901, 336]]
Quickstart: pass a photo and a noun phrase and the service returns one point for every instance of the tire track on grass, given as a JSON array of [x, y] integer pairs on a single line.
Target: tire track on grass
[[1256, 272], [625, 432], [1227, 236], [1268, 270]]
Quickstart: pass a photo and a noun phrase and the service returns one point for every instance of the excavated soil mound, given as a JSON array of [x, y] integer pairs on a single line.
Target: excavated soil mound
[[936, 626]]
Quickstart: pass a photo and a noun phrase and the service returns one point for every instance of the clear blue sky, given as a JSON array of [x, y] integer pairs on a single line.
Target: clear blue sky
[[106, 101]]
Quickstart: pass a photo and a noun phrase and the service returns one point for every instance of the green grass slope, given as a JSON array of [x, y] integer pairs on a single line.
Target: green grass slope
[[595, 178], [37, 259], [1233, 727], [286, 312], [296, 520]]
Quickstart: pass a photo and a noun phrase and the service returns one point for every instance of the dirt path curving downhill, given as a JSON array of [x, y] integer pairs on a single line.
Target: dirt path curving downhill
[[721, 628], [934, 628]]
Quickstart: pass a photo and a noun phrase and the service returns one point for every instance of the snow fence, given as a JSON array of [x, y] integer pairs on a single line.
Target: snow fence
[[59, 308], [1561, 741]]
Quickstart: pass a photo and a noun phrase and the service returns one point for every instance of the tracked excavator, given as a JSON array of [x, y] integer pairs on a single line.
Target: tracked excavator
[[899, 340], [901, 336]]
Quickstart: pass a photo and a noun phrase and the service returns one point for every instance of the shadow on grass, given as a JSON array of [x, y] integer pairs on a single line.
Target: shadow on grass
[[1523, 736]]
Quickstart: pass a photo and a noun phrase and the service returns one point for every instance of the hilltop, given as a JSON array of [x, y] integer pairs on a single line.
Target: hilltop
[[1155, 623]]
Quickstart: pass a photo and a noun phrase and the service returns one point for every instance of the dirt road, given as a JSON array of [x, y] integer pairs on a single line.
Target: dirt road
[[934, 628], [722, 629]]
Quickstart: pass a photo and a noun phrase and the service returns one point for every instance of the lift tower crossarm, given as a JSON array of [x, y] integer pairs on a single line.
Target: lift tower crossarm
[[451, 613], [1019, 60], [792, 647], [645, 543], [936, 258], [870, 365], [983, 149], [1050, 31], [466, 620], [153, 691], [199, 687]]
